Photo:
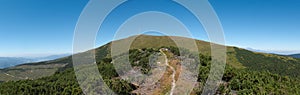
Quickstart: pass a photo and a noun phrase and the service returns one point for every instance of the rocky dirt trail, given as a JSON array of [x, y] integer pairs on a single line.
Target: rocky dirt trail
[[173, 74]]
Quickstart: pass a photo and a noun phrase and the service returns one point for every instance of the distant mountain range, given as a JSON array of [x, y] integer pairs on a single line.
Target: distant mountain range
[[13, 61], [269, 52], [295, 55]]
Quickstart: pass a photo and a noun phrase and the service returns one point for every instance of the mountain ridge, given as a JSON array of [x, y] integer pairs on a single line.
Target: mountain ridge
[[234, 54], [245, 71], [294, 55]]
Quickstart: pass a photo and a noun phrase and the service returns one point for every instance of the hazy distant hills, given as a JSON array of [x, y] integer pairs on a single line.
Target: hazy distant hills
[[51, 57], [263, 51], [13, 61], [295, 55]]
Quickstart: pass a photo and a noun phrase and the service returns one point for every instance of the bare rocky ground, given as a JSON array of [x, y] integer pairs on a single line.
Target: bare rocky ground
[[166, 78], [149, 85]]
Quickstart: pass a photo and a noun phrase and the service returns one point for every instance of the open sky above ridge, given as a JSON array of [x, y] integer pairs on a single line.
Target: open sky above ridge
[[41, 27]]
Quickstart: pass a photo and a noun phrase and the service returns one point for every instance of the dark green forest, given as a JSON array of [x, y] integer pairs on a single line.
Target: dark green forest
[[265, 62]]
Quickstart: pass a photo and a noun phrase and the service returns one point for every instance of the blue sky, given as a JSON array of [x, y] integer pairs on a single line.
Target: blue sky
[[43, 27]]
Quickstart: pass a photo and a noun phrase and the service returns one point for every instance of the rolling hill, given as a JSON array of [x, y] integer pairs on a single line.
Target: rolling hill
[[249, 69]]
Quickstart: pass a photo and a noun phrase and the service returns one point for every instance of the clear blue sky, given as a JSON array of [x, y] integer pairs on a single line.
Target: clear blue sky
[[43, 27]]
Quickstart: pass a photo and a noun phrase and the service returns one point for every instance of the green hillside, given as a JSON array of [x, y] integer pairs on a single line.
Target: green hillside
[[286, 66], [246, 72]]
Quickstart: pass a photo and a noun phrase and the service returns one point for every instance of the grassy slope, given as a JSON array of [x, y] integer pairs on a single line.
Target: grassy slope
[[146, 41]]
